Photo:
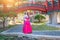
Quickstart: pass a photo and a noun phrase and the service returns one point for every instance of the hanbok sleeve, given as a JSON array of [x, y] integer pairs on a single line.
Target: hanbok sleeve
[[25, 17]]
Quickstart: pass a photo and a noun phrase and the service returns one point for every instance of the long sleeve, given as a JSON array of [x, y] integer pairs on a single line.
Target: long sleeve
[[25, 17]]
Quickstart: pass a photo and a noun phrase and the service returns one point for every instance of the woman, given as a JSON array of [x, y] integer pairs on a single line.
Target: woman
[[27, 28]]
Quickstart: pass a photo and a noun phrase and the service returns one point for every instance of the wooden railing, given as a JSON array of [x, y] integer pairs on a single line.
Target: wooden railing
[[30, 5]]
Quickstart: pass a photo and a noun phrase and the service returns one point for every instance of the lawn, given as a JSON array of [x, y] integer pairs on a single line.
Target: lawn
[[43, 26], [35, 26], [2, 37]]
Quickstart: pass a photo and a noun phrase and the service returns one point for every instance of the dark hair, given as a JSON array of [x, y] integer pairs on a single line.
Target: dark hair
[[24, 13]]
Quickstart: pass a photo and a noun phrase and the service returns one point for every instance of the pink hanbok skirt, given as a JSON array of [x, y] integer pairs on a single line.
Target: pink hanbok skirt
[[27, 28]]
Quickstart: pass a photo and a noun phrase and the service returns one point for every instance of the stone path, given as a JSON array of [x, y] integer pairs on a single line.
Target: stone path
[[17, 30], [54, 25]]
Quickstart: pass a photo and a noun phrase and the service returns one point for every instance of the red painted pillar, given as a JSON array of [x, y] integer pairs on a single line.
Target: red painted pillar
[[52, 4], [59, 4], [46, 5]]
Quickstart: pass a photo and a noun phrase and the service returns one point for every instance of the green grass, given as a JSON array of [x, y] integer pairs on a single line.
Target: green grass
[[43, 26], [35, 26], [8, 27], [2, 37]]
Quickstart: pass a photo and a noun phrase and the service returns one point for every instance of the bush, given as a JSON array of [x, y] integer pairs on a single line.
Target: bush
[[39, 17]]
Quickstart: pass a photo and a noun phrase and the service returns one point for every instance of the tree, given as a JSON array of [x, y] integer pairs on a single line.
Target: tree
[[39, 17], [4, 16], [12, 15]]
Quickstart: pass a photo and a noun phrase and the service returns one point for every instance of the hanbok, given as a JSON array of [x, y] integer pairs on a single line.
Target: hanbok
[[27, 28]]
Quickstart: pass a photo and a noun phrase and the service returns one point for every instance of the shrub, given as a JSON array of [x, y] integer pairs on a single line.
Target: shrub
[[39, 17]]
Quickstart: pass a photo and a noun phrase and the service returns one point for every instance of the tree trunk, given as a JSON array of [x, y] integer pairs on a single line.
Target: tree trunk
[[39, 20], [4, 22], [14, 20]]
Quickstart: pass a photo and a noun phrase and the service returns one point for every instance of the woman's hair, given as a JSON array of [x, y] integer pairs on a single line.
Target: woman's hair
[[27, 14]]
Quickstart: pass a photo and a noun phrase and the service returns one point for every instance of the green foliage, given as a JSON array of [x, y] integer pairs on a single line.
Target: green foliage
[[39, 17], [9, 14], [12, 14], [4, 16]]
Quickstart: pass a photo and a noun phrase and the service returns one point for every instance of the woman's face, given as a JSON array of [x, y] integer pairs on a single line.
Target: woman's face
[[28, 14], [24, 13]]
